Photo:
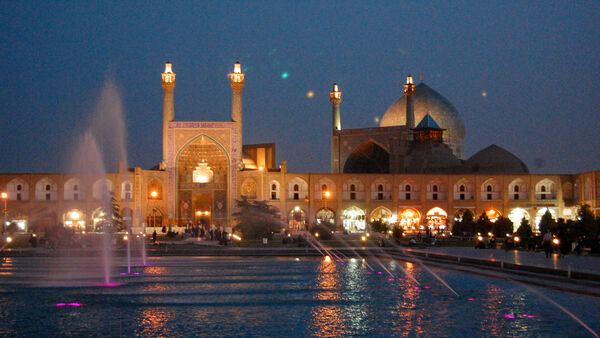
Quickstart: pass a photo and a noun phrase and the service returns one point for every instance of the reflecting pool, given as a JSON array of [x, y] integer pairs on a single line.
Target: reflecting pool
[[188, 296]]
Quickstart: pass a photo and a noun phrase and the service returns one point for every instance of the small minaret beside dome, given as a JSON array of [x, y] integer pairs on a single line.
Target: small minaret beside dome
[[428, 101]]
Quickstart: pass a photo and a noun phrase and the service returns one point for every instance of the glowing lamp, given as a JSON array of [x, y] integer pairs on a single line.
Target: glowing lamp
[[261, 168], [490, 234], [4, 195], [517, 239], [153, 194], [237, 76], [480, 238], [206, 213], [363, 238], [336, 94], [168, 76], [202, 173], [297, 208], [327, 258], [316, 234], [555, 241], [125, 237], [8, 239], [168, 67], [74, 215], [327, 194]]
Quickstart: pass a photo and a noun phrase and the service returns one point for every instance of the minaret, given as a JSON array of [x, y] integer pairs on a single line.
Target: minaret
[[237, 83], [335, 97], [168, 84], [409, 92]]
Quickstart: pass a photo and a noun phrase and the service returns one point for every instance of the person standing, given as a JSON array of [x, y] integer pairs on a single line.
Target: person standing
[[548, 243]]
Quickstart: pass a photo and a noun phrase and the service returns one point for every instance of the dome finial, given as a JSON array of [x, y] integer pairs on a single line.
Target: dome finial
[[421, 76]]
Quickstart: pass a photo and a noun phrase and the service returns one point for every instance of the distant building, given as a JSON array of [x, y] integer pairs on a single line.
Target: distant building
[[410, 170]]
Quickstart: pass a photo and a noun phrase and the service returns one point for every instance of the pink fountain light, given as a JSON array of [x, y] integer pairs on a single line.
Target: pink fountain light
[[471, 299], [509, 316], [60, 304], [74, 304]]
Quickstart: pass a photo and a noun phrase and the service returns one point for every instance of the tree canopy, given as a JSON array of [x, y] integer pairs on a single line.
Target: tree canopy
[[256, 219]]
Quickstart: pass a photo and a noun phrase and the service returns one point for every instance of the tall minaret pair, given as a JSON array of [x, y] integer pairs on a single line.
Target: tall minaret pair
[[168, 84]]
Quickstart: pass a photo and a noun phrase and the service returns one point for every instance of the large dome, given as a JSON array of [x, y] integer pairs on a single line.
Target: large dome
[[443, 112]]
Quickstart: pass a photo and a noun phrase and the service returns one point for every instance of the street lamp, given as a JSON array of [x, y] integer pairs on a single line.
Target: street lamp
[[4, 196]]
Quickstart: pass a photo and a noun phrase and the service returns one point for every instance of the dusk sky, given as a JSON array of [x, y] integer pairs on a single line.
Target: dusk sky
[[537, 62]]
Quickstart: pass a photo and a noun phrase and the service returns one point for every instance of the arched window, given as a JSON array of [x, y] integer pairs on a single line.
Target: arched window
[[274, 192], [488, 188], [435, 188], [297, 189], [380, 192], [46, 190], [71, 190], [545, 190], [517, 190], [126, 191], [17, 190], [408, 191], [462, 188], [352, 192]]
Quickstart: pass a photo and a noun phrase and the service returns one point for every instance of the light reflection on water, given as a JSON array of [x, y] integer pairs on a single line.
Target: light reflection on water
[[187, 296]]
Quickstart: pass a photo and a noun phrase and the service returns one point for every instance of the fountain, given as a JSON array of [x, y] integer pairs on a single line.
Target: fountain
[[104, 145]]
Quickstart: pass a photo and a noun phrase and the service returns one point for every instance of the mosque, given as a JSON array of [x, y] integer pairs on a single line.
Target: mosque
[[409, 171]]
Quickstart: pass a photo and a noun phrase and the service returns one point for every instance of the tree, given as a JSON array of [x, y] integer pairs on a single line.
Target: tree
[[256, 219], [524, 230], [379, 226], [547, 223], [483, 224], [464, 225], [586, 224], [502, 226]]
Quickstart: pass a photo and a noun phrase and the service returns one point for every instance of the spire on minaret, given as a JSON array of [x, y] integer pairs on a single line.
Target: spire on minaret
[[168, 84], [409, 92], [335, 96], [421, 76], [237, 84]]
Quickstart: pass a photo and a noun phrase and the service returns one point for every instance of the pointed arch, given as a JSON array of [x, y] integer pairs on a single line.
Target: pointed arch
[[408, 190], [490, 190], [545, 189], [369, 157], [517, 190], [297, 189], [381, 190], [46, 190], [463, 190], [18, 190], [72, 190], [102, 189], [324, 186], [353, 189], [274, 190]]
